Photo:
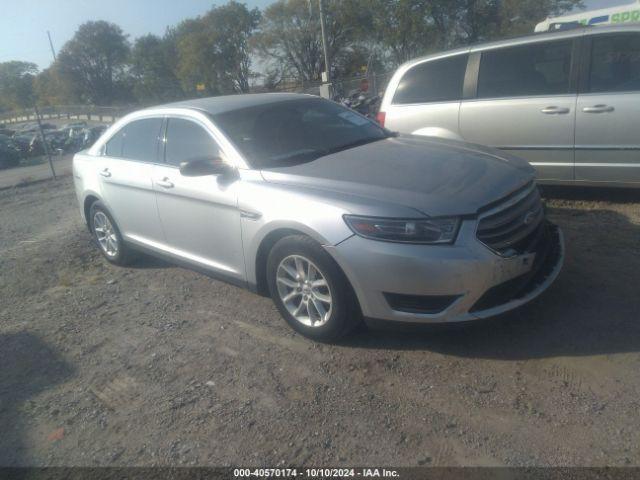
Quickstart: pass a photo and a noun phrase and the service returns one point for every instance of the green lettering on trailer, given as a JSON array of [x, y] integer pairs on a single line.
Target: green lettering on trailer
[[628, 16]]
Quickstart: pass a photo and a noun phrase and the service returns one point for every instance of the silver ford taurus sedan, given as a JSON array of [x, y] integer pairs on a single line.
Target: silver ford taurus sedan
[[331, 215]]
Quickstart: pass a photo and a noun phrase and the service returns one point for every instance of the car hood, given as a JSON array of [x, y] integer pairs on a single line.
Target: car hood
[[434, 176]]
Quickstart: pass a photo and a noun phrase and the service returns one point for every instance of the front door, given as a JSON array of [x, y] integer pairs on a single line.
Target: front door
[[608, 110], [199, 215], [525, 105]]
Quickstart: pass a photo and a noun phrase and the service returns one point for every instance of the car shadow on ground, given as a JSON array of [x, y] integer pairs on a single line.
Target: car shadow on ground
[[593, 308], [144, 261], [28, 367]]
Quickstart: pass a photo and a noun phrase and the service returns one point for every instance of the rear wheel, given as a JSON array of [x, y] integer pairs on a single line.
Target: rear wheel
[[107, 235], [309, 289]]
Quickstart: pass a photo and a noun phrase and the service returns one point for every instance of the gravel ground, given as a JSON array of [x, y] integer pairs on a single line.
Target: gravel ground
[[158, 365]]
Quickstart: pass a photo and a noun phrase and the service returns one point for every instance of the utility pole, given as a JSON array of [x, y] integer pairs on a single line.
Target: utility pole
[[44, 142], [53, 51], [326, 77]]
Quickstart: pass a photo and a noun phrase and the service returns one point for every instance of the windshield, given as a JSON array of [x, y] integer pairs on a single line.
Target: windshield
[[295, 131]]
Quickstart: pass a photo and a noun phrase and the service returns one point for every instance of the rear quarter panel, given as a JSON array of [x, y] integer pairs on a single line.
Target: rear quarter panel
[[85, 178]]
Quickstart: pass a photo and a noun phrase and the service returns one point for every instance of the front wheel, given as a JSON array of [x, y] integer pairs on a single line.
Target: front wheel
[[309, 289]]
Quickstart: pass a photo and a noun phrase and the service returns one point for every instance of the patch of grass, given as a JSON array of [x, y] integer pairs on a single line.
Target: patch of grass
[[26, 180], [93, 279], [65, 280]]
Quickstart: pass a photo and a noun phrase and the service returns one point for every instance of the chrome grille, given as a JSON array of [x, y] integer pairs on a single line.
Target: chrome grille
[[510, 227]]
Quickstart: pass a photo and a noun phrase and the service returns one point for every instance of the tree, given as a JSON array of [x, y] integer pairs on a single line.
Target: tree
[[153, 66], [289, 34], [469, 21], [16, 84], [213, 50], [517, 17], [50, 89], [94, 63], [404, 28]]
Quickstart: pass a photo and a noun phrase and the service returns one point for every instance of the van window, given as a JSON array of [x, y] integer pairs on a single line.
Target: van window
[[187, 140], [536, 69], [141, 140], [615, 63], [432, 81]]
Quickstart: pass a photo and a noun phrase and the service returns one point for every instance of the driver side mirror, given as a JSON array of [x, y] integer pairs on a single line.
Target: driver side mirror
[[198, 167]]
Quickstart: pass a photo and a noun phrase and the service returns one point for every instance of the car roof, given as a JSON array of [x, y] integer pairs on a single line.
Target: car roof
[[226, 103], [529, 38]]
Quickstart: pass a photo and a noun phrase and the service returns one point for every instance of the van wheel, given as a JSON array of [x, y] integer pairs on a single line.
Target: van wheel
[[310, 291], [107, 235]]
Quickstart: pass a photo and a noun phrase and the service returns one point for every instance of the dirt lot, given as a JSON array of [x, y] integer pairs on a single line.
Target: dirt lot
[[157, 365]]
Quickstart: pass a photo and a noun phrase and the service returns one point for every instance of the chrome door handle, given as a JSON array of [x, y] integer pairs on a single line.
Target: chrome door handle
[[105, 173], [555, 110], [598, 109], [165, 183]]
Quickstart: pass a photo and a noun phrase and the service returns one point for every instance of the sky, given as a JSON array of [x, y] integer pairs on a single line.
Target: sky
[[24, 23]]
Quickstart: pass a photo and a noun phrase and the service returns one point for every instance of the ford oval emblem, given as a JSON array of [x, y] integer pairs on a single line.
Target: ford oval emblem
[[529, 217]]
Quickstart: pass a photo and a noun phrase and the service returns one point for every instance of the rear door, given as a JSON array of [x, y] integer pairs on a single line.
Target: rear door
[[199, 215], [126, 170], [427, 98], [525, 104], [608, 110]]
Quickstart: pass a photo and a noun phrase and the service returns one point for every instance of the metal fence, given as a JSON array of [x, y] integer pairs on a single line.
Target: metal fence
[[69, 112], [377, 84], [340, 88]]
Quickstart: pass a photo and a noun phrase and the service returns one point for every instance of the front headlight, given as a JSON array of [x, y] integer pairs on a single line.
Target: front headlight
[[413, 230]]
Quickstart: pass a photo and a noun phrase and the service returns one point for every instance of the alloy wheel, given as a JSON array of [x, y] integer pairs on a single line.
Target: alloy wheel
[[105, 234], [304, 290]]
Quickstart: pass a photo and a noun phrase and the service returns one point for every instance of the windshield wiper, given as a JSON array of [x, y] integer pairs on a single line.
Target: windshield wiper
[[347, 146]]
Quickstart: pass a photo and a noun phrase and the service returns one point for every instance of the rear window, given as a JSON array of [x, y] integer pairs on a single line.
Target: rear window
[[537, 69], [141, 140], [615, 63], [113, 147], [433, 81]]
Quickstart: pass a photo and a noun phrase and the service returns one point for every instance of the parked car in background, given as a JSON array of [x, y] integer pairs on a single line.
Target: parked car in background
[[74, 138], [9, 153], [35, 145], [80, 123], [27, 128], [568, 102], [22, 142], [334, 217], [91, 134]]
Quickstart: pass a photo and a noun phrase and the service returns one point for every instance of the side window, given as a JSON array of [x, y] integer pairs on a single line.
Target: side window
[[537, 69], [113, 148], [433, 81], [187, 140], [141, 139], [615, 63]]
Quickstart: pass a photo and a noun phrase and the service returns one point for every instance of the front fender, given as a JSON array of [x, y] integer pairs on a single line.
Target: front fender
[[266, 209]]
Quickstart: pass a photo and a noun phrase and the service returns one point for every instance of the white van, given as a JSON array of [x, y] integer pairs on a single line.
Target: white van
[[567, 101]]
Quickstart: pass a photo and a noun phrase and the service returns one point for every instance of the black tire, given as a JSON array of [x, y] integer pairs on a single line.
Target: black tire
[[344, 314], [124, 255]]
